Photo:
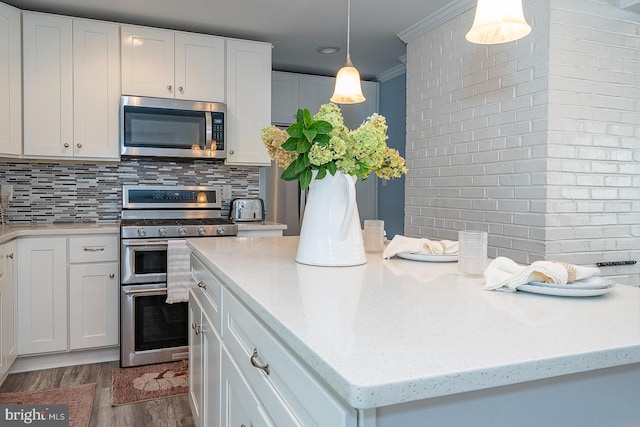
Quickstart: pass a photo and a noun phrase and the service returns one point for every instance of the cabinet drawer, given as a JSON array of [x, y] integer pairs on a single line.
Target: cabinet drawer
[[287, 380], [209, 292], [93, 248]]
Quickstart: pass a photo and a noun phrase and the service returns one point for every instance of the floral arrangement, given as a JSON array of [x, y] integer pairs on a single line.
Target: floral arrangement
[[324, 144]]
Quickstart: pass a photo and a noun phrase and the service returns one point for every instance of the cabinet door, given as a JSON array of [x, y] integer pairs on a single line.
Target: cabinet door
[[239, 405], [42, 295], [195, 360], [93, 305], [48, 85], [96, 91], [248, 101], [211, 373], [10, 82], [199, 67], [8, 306], [147, 61], [284, 97], [315, 91]]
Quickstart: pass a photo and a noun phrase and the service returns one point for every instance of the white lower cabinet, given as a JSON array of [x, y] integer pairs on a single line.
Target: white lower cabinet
[[240, 407], [8, 345], [94, 291], [42, 295], [261, 382], [59, 312]]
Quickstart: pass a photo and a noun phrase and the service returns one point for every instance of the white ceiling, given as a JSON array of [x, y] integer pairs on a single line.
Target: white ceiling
[[294, 27]]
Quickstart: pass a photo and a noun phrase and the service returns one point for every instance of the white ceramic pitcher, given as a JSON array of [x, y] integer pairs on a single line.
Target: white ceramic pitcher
[[331, 235]]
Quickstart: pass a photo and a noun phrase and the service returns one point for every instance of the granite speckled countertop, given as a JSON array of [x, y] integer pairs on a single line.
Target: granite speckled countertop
[[395, 331]]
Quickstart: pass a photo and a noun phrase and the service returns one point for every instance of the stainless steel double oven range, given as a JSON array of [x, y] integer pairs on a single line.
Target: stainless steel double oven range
[[152, 331]]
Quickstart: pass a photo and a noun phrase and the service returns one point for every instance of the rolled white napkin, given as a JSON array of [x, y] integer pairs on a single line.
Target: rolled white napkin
[[411, 245], [504, 274]]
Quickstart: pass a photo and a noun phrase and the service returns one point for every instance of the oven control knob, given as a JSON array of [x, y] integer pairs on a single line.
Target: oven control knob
[[220, 230], [182, 231], [162, 232], [142, 232], [202, 231]]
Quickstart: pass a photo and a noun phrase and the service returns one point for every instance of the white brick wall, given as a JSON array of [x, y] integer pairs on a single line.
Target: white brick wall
[[536, 141]]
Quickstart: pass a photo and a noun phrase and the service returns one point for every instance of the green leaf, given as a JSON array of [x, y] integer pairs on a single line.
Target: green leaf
[[301, 163], [300, 116], [322, 139], [290, 144], [307, 118], [295, 130], [322, 126], [309, 133], [290, 173], [322, 172], [331, 166], [305, 178], [303, 145]]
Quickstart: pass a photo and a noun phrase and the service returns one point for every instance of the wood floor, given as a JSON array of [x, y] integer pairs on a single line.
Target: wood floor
[[170, 412]]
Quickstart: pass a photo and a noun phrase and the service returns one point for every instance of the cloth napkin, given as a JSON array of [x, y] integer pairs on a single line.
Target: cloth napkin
[[402, 244], [504, 274], [178, 271]]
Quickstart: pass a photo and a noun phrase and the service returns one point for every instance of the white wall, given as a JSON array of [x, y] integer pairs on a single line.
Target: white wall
[[535, 141]]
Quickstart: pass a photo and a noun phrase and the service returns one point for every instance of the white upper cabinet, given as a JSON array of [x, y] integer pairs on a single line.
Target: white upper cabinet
[[10, 82], [96, 89], [71, 87], [248, 101], [284, 97], [170, 64], [199, 67], [48, 85]]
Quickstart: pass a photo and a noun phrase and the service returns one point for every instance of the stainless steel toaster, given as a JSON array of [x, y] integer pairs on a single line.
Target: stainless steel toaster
[[247, 209]]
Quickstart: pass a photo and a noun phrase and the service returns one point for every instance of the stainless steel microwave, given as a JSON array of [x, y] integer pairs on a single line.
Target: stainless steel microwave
[[161, 127]]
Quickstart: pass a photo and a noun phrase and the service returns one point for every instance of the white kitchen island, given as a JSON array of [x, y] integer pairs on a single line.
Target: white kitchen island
[[409, 343]]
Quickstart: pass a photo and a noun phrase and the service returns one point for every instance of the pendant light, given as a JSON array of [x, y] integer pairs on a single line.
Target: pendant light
[[348, 89], [498, 21]]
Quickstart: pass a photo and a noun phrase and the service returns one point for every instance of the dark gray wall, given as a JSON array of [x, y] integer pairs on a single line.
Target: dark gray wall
[[393, 105]]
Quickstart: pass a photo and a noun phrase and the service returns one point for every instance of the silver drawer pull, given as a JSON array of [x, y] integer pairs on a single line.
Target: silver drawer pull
[[93, 249], [255, 363], [202, 285]]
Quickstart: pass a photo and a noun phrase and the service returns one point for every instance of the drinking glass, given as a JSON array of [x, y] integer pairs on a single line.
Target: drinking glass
[[472, 252]]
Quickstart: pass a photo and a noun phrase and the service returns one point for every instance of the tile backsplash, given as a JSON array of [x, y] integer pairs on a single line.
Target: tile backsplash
[[89, 192]]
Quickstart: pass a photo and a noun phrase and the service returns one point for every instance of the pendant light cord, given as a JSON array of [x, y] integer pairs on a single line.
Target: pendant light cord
[[348, 29]]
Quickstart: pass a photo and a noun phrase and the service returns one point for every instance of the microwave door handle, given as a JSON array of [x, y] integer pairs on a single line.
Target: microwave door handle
[[208, 131]]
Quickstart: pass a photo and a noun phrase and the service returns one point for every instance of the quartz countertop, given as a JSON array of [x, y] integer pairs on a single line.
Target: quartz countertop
[[11, 231], [393, 331]]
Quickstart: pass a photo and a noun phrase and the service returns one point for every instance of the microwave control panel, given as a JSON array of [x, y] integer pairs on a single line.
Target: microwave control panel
[[217, 129]]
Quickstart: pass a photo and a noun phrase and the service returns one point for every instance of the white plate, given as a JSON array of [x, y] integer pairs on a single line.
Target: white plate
[[564, 292], [591, 283], [428, 257]]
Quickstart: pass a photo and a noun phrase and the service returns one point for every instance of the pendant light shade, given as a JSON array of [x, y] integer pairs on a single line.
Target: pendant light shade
[[498, 21], [348, 88]]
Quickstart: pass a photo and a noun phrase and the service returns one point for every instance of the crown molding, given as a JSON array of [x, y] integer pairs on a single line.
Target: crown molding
[[444, 14], [392, 72]]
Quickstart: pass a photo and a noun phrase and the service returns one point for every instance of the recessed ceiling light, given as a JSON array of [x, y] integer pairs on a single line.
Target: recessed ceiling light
[[328, 49]]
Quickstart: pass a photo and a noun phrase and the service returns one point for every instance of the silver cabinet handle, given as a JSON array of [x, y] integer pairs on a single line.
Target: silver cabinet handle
[[10, 256], [202, 285], [66, 145], [79, 145], [255, 363], [93, 249], [111, 275], [198, 329], [169, 88], [180, 89], [231, 152]]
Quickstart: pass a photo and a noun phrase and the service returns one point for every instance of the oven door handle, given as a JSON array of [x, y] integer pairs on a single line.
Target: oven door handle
[[153, 291], [153, 243]]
